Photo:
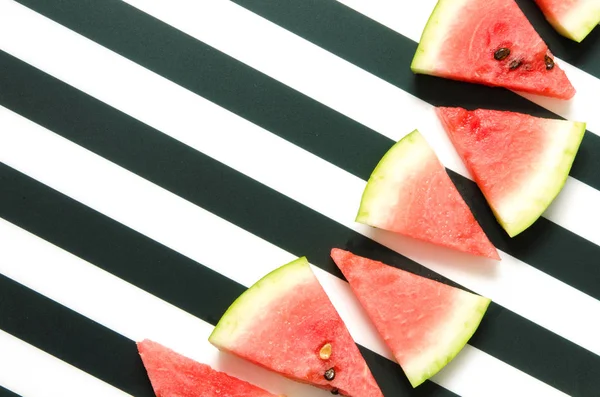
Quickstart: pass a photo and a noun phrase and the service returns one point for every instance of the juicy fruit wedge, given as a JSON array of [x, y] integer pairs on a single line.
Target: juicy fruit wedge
[[410, 193], [520, 162], [574, 19], [424, 322], [489, 42], [174, 375], [284, 323]]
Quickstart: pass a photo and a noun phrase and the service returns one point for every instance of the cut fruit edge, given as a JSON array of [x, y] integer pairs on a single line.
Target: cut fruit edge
[[529, 204], [426, 57], [467, 318], [254, 299], [275, 286], [443, 16], [411, 149], [160, 361], [469, 311], [550, 183], [579, 22]]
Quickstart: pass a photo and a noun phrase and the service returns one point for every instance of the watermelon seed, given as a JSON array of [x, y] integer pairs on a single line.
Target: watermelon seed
[[325, 351], [549, 62], [330, 374], [515, 64], [335, 391], [501, 53]]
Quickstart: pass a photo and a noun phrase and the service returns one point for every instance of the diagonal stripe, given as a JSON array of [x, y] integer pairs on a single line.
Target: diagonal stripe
[[146, 36], [31, 372], [42, 209], [582, 55], [410, 21], [128, 310], [7, 393], [91, 181], [142, 112], [137, 314], [328, 80], [70, 337], [383, 53]]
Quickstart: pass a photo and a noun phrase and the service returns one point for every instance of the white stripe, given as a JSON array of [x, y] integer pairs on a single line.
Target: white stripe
[[120, 306], [180, 225], [409, 19], [343, 87], [31, 372], [298, 174]]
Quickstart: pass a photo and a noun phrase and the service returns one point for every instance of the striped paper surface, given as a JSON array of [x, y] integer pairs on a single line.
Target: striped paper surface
[[159, 157]]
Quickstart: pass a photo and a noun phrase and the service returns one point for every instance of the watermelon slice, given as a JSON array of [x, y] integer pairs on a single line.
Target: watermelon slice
[[174, 375], [424, 322], [574, 19], [287, 324], [410, 193], [520, 162], [489, 42]]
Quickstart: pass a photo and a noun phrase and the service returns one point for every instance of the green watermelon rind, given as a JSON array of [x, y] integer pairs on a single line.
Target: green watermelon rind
[[373, 195], [243, 311], [433, 35], [582, 21], [468, 315], [545, 197]]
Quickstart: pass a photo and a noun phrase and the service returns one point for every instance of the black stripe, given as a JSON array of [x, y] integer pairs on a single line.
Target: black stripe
[[254, 96], [262, 211], [387, 54], [71, 337], [146, 264], [7, 393], [584, 55], [292, 116]]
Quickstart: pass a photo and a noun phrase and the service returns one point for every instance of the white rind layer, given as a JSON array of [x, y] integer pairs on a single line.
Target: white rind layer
[[442, 19], [522, 207], [407, 157], [579, 21], [456, 331], [249, 306]]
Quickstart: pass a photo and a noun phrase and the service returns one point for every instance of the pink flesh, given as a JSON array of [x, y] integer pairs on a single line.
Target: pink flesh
[[174, 375], [407, 310], [290, 333], [556, 9], [431, 209], [483, 27], [500, 149]]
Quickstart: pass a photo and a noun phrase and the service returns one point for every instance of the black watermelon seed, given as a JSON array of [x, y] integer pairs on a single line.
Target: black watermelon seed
[[515, 64], [501, 53], [335, 392], [330, 374], [549, 62]]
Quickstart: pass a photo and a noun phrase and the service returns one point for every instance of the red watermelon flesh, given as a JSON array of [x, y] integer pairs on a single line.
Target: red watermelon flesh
[[174, 375], [424, 322], [284, 322], [520, 162], [489, 42], [574, 19], [410, 193]]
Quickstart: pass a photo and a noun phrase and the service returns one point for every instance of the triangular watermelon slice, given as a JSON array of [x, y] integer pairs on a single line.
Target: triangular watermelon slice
[[424, 322], [489, 42], [287, 324], [174, 375], [410, 193], [574, 19], [520, 162]]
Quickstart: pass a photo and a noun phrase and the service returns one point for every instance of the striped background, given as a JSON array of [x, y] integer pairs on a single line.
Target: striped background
[[158, 157]]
